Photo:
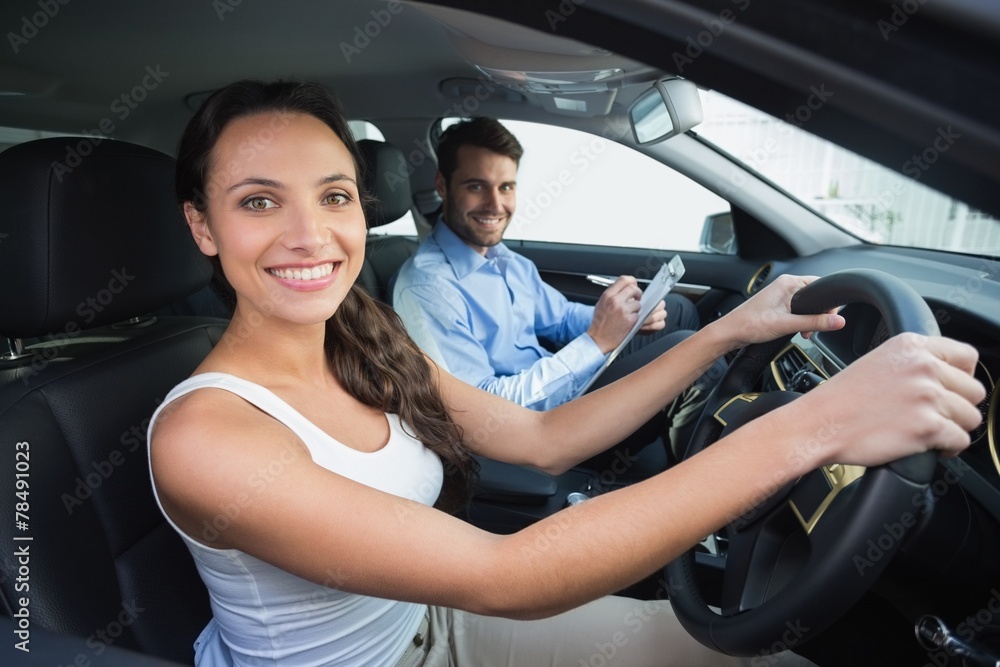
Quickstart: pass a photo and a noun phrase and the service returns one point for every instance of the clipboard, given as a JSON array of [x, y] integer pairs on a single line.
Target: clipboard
[[661, 284]]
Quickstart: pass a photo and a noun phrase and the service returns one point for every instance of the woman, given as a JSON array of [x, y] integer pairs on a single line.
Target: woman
[[302, 459]]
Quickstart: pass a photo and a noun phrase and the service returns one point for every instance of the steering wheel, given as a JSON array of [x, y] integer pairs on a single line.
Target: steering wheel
[[801, 558]]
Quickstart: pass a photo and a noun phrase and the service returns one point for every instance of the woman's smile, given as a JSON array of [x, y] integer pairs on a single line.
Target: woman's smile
[[306, 277]]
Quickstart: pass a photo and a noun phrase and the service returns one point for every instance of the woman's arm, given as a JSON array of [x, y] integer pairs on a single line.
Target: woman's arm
[[330, 530], [560, 438]]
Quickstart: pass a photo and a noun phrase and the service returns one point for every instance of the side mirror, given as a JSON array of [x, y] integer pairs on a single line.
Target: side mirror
[[669, 108], [718, 235]]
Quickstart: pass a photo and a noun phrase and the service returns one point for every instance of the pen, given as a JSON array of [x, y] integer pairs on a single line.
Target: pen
[[603, 281]]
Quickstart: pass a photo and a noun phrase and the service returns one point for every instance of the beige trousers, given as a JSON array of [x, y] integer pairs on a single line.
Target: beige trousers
[[609, 632]]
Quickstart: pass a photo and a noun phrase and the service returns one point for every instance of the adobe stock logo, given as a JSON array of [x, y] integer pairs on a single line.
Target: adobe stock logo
[[901, 13], [381, 18], [918, 164], [31, 25], [122, 107], [88, 310], [714, 28]]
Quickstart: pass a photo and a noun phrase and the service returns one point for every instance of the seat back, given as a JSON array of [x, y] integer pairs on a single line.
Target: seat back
[[385, 176], [89, 245]]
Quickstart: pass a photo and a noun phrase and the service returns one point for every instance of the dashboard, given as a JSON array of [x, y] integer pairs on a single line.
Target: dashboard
[[826, 353]]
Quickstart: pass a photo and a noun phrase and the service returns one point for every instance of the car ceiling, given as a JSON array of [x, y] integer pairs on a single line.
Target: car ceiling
[[90, 53], [891, 93]]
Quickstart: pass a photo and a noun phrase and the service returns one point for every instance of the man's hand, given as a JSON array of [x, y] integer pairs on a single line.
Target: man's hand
[[656, 320], [615, 313]]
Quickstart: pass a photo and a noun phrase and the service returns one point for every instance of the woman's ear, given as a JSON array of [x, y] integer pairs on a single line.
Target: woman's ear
[[198, 224]]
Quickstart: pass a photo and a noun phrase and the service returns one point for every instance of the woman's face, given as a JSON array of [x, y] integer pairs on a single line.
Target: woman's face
[[283, 215]]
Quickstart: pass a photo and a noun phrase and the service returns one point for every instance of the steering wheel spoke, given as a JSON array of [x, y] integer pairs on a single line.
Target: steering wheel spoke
[[815, 492], [749, 564]]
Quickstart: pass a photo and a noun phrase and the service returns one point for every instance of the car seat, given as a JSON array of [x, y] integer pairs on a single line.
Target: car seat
[[92, 245], [385, 177]]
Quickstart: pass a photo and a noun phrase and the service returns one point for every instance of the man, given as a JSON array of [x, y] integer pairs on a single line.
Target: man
[[481, 311]]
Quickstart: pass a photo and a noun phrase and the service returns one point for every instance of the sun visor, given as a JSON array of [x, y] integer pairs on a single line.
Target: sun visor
[[563, 76]]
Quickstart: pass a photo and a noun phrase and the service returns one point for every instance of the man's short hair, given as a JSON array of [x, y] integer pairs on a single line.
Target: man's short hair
[[480, 131]]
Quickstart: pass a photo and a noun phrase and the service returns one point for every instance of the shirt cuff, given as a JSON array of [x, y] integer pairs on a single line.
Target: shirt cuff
[[583, 357]]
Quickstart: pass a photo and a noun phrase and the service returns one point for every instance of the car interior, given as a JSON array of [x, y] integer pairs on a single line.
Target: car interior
[[108, 303]]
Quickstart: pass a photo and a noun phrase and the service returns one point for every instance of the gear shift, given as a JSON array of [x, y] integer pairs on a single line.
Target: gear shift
[[934, 635]]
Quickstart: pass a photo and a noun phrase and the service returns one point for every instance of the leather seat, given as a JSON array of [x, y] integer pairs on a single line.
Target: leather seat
[[385, 177], [90, 249]]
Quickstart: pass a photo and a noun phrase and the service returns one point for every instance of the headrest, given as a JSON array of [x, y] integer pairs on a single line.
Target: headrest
[[93, 236], [386, 177]]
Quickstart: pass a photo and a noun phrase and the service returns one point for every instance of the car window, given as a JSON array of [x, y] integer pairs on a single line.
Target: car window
[[363, 129], [862, 197], [575, 187], [11, 136]]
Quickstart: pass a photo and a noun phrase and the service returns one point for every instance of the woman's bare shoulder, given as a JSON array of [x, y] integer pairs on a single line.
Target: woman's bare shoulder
[[206, 449], [213, 427], [206, 410]]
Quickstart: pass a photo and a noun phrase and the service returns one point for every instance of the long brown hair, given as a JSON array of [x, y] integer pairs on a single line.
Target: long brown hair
[[366, 344], [380, 365]]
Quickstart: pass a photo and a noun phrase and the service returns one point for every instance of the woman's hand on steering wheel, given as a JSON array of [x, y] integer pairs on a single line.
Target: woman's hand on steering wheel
[[926, 398], [768, 315]]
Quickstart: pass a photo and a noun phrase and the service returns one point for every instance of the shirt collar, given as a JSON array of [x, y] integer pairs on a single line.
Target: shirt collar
[[463, 259]]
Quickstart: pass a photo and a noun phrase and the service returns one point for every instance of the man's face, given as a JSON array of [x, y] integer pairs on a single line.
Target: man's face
[[481, 196]]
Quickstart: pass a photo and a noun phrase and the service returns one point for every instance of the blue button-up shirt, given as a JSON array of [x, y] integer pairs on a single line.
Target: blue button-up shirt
[[481, 318]]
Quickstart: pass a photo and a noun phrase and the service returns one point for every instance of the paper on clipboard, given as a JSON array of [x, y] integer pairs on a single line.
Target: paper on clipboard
[[661, 284]]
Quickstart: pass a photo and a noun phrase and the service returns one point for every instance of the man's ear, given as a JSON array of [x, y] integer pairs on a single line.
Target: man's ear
[[440, 185], [198, 224]]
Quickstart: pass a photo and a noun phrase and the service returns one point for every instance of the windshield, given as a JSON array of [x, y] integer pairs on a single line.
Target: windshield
[[864, 198]]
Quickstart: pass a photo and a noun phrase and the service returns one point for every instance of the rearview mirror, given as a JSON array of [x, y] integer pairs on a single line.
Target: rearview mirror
[[669, 108]]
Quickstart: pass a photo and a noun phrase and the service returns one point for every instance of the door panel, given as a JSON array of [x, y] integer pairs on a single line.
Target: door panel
[[709, 280]]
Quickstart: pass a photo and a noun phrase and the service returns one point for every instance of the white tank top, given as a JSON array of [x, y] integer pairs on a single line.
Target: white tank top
[[266, 616]]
